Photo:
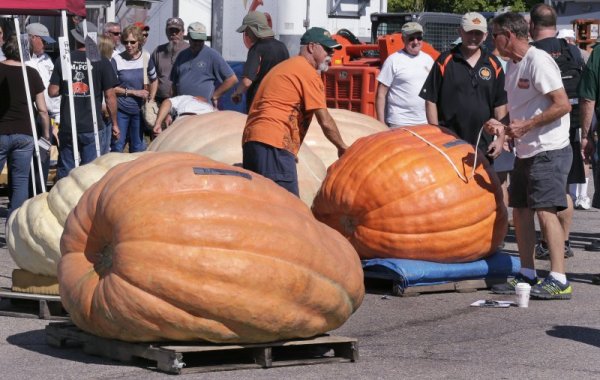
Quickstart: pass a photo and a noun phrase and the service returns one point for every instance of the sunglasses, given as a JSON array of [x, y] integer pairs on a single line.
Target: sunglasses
[[327, 49], [145, 34], [115, 33], [174, 30], [412, 38], [129, 42]]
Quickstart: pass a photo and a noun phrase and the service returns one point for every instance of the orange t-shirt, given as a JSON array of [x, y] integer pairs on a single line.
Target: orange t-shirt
[[284, 105]]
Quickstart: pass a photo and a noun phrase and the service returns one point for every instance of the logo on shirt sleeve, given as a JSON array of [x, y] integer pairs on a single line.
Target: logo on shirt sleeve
[[523, 83]]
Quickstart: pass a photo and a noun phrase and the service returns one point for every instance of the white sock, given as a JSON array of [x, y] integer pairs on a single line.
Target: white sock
[[560, 277], [529, 273], [573, 190], [583, 188]]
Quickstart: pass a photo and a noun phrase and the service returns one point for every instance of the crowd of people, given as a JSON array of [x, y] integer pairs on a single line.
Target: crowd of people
[[512, 103]]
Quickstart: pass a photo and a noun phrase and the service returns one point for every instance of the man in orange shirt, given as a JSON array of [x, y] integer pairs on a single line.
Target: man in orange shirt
[[288, 97]]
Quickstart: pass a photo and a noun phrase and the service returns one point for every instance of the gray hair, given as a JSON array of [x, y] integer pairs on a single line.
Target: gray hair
[[108, 26], [514, 23]]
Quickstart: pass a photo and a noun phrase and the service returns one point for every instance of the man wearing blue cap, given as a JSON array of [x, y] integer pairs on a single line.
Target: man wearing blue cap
[[39, 37], [286, 100]]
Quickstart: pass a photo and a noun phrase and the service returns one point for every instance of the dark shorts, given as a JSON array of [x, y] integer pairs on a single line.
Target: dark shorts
[[276, 164], [541, 181], [577, 172]]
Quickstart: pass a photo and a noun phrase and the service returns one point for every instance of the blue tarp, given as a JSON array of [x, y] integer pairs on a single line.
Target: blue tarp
[[416, 272]]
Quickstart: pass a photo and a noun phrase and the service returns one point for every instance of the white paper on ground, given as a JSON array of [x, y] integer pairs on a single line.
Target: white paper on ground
[[481, 303]]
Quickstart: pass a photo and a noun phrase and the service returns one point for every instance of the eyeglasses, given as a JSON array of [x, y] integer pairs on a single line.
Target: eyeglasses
[[115, 33], [145, 34], [129, 42], [327, 49], [412, 38], [174, 30]]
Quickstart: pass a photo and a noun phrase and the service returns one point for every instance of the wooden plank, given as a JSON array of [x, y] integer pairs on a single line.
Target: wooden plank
[[171, 357], [29, 305], [7, 293]]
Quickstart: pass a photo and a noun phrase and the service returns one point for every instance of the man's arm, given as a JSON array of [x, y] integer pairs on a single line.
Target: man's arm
[[241, 89], [330, 130], [559, 107], [153, 89], [226, 85], [163, 111], [382, 91], [53, 91], [110, 98], [586, 114], [431, 112]]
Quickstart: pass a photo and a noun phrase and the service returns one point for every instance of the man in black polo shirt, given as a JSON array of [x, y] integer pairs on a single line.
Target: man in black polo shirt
[[465, 87]]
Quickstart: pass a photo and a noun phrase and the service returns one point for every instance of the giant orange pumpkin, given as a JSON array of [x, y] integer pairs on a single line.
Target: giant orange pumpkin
[[180, 247], [395, 195]]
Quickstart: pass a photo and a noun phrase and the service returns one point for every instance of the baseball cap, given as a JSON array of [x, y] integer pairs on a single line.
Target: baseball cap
[[78, 31], [175, 22], [319, 36], [473, 21], [141, 25], [37, 29], [257, 22], [411, 28], [566, 33], [196, 31]]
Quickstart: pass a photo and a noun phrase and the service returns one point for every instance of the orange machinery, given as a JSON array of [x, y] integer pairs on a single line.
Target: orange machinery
[[351, 81]]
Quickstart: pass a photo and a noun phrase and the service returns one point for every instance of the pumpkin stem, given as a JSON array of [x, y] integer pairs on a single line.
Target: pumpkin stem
[[106, 259], [349, 224]]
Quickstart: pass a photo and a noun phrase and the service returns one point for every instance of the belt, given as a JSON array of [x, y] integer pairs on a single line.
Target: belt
[[186, 114]]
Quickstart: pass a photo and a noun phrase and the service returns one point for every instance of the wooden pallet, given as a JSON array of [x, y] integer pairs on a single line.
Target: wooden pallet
[[28, 305], [377, 280], [184, 357]]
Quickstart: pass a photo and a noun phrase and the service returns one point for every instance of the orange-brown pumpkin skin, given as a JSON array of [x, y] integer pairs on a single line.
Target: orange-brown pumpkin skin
[[154, 252], [393, 196]]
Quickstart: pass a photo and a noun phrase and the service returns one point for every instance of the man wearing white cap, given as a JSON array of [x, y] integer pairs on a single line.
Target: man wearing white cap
[[38, 38], [401, 78], [199, 67], [466, 87], [265, 52]]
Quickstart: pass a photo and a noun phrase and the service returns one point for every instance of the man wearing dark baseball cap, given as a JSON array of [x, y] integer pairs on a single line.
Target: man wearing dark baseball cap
[[164, 55], [289, 96]]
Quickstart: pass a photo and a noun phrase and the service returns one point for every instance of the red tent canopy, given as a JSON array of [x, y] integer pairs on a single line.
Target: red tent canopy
[[41, 7]]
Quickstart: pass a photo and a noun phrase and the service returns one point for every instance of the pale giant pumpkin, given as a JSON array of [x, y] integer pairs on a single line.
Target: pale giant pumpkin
[[352, 126], [395, 195], [34, 229], [218, 135], [209, 251]]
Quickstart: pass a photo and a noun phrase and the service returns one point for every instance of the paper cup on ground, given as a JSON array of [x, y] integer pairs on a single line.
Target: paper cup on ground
[[522, 290]]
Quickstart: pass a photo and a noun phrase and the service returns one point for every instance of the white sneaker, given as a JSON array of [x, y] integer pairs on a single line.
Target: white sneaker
[[583, 202]]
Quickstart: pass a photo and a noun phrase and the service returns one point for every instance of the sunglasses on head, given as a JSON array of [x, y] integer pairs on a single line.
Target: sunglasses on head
[[115, 33], [129, 42], [412, 38]]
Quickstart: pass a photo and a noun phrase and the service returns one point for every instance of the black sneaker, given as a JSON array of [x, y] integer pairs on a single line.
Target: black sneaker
[[541, 251], [551, 289], [509, 286]]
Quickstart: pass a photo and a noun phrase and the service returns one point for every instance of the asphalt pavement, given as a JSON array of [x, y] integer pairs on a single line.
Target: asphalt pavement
[[431, 336]]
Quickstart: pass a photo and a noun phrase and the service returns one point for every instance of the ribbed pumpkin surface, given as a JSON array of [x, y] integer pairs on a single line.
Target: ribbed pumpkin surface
[[225, 256], [394, 196]]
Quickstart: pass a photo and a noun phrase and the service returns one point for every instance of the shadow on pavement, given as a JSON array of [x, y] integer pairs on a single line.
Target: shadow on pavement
[[585, 335], [35, 341]]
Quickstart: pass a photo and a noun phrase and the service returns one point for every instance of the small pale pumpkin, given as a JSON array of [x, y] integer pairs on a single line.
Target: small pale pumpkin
[[34, 229], [209, 251], [394, 195]]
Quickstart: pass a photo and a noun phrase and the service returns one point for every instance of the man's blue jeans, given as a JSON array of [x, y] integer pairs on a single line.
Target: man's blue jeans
[[130, 127], [17, 149], [87, 149]]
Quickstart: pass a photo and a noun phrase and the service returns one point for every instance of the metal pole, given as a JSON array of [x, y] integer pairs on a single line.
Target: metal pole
[[29, 105]]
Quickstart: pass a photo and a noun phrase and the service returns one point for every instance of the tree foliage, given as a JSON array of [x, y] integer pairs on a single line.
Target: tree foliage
[[459, 6]]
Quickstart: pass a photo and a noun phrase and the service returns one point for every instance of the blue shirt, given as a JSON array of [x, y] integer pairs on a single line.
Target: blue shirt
[[196, 74], [131, 76]]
